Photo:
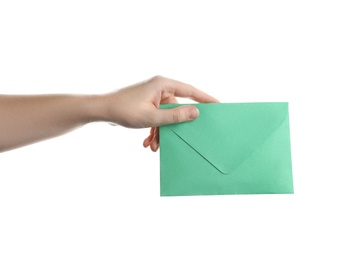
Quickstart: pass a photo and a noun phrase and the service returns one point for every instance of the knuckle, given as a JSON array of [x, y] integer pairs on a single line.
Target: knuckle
[[157, 78], [157, 82], [176, 116]]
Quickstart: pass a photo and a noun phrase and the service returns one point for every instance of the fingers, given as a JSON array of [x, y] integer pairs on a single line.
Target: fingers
[[150, 138], [180, 89], [170, 89], [169, 116], [148, 141], [155, 143], [153, 139], [175, 115]]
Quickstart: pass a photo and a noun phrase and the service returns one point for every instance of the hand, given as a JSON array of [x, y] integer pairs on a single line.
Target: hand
[[137, 106], [26, 119]]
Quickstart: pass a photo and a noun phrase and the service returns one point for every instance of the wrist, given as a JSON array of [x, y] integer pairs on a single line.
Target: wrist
[[95, 108]]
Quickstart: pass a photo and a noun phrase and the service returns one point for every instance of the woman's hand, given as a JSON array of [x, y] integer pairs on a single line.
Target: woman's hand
[[137, 106]]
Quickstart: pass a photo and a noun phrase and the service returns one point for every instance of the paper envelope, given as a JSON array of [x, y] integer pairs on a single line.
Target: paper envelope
[[234, 148]]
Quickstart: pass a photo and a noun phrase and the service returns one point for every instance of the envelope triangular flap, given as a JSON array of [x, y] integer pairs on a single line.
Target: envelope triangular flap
[[227, 134]]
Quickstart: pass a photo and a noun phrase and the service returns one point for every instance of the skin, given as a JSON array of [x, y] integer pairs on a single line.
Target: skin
[[28, 119]]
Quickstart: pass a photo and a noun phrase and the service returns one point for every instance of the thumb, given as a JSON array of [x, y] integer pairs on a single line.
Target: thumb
[[177, 115]]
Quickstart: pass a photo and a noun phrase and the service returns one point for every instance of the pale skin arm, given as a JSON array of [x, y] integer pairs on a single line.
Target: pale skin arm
[[28, 119]]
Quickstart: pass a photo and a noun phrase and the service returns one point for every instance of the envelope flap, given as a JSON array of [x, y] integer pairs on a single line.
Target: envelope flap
[[227, 134]]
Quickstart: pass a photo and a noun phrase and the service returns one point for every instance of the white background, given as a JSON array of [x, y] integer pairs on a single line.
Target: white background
[[94, 193]]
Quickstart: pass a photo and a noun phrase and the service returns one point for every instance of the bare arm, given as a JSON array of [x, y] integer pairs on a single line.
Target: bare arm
[[29, 119]]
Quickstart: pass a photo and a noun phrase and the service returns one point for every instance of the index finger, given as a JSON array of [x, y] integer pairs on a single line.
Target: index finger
[[180, 89]]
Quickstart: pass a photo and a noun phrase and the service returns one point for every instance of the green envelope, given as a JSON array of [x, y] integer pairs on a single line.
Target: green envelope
[[233, 148]]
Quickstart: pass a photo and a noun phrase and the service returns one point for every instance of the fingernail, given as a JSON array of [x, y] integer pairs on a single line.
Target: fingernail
[[194, 113]]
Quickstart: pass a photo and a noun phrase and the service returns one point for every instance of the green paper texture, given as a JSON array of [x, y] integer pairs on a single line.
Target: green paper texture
[[231, 148]]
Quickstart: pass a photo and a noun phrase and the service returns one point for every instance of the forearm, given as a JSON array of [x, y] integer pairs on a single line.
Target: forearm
[[28, 119]]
